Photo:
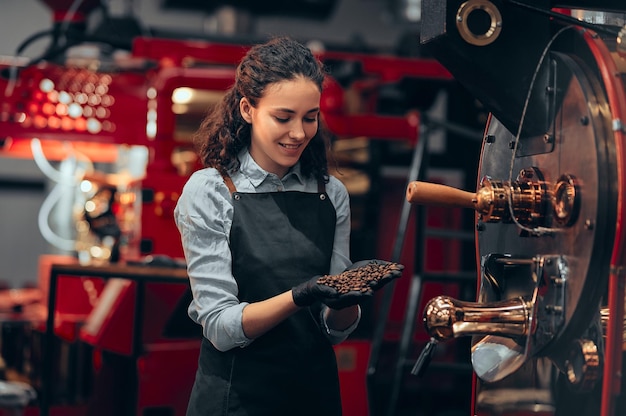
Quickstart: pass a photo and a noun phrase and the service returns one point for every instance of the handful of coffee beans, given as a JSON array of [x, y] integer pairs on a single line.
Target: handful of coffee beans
[[366, 278]]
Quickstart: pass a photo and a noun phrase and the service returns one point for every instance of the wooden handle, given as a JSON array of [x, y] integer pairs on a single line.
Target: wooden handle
[[425, 193]]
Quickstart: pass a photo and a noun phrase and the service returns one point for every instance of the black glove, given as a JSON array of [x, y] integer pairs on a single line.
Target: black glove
[[307, 293], [351, 298], [380, 272], [354, 285]]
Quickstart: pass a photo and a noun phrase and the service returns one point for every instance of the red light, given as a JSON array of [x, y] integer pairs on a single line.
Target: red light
[[54, 122], [40, 121], [53, 96], [67, 123], [107, 100], [108, 126], [94, 126], [80, 98], [102, 112], [80, 124], [48, 109], [61, 109], [102, 89], [74, 110], [94, 99], [39, 96], [65, 97]]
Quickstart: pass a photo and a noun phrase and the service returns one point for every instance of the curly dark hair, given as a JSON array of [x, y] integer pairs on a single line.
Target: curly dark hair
[[223, 133]]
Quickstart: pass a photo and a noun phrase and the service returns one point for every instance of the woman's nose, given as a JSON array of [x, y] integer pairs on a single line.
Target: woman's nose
[[297, 131]]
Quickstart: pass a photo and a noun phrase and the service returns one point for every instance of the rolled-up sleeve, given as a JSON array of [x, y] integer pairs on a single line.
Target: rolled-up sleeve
[[339, 196], [203, 215], [333, 335]]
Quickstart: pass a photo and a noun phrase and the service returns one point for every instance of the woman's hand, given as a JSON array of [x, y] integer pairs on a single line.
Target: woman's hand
[[314, 289], [353, 286]]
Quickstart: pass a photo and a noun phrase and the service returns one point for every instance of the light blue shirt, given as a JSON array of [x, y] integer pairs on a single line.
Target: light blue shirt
[[204, 215]]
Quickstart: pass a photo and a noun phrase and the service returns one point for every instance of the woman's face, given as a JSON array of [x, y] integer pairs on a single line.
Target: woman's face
[[283, 123]]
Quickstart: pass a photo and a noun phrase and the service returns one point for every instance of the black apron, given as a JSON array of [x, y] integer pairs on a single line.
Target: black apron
[[277, 241]]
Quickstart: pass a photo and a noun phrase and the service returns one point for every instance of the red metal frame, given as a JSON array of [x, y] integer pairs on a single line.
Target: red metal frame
[[612, 378]]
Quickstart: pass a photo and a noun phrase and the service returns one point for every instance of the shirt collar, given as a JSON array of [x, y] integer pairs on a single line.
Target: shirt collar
[[256, 175]]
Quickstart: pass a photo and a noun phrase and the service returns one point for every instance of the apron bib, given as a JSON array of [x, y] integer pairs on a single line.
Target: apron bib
[[278, 240]]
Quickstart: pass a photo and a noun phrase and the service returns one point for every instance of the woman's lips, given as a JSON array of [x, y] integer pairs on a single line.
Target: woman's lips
[[290, 146]]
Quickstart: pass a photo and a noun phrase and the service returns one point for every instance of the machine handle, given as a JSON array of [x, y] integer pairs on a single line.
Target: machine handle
[[426, 193], [424, 358], [446, 318]]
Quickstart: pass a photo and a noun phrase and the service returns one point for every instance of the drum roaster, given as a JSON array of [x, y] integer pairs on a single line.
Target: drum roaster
[[548, 325]]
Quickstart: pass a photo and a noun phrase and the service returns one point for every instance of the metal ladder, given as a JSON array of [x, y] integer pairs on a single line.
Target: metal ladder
[[417, 171]]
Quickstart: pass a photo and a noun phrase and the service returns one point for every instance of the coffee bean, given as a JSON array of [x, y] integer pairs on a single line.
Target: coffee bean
[[361, 279]]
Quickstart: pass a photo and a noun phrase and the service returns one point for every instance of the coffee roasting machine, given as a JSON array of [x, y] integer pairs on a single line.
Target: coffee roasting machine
[[547, 327]]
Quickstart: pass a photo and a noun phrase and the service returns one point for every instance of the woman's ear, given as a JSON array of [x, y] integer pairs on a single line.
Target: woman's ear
[[246, 110]]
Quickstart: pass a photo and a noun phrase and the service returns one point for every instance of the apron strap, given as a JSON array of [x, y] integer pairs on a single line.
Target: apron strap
[[321, 186], [229, 183]]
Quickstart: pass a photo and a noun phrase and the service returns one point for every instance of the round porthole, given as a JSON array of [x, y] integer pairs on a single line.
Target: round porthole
[[479, 22]]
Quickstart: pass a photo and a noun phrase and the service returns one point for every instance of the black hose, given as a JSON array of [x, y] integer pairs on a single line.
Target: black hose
[[32, 38]]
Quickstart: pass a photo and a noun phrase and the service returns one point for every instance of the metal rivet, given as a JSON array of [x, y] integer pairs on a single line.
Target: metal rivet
[[236, 197], [322, 197]]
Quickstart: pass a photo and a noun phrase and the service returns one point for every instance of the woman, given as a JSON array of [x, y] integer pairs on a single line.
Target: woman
[[259, 225]]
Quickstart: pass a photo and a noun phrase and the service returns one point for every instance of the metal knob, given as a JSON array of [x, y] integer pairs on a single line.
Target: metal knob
[[525, 199], [529, 199]]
